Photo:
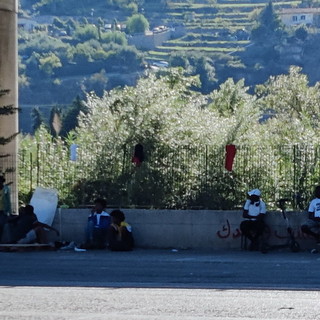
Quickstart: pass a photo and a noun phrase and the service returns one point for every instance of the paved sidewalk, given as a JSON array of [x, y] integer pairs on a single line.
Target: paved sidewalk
[[162, 269]]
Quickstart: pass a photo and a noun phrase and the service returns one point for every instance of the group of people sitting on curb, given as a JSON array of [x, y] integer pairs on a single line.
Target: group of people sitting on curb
[[110, 231], [103, 230], [254, 212], [107, 230]]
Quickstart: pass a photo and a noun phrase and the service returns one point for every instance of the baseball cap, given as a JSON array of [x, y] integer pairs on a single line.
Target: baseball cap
[[254, 192]]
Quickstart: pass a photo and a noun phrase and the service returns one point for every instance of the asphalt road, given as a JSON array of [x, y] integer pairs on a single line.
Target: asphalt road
[[159, 284], [162, 268]]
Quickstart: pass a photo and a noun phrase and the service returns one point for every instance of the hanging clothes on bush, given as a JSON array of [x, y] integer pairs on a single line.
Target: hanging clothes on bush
[[230, 155], [138, 156]]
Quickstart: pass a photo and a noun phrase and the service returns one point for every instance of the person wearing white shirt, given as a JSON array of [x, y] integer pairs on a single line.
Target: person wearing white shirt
[[254, 212], [312, 225]]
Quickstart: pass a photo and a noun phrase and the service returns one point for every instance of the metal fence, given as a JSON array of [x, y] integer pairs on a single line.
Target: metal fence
[[183, 177]]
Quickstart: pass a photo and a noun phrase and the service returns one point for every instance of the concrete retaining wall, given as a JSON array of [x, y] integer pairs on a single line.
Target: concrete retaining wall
[[183, 228], [149, 40]]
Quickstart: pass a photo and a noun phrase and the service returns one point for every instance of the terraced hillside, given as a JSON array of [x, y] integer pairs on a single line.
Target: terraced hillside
[[223, 27]]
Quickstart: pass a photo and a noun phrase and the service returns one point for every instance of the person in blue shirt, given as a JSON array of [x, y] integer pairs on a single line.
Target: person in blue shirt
[[97, 226]]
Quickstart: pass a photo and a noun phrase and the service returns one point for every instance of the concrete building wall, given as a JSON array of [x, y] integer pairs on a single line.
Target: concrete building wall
[[9, 81], [183, 228], [295, 19]]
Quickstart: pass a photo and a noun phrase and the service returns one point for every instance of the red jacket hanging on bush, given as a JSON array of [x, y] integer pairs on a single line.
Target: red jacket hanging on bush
[[230, 154]]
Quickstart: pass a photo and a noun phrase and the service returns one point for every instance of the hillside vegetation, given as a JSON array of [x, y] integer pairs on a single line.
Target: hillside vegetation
[[71, 50]]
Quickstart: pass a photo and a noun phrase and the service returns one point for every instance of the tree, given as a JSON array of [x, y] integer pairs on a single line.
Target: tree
[[37, 119], [100, 22], [55, 121], [71, 23], [58, 23], [178, 59], [205, 69], [86, 32], [137, 24], [115, 37], [97, 83], [70, 117], [83, 53], [310, 3], [291, 97], [48, 63], [269, 28], [132, 8], [230, 98], [301, 33]]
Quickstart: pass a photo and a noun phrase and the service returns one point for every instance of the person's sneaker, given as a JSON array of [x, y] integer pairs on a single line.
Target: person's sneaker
[[70, 246], [76, 249], [314, 251]]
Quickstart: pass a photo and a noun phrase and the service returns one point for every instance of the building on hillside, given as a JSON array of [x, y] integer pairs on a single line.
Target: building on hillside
[[298, 16], [27, 24], [45, 19], [150, 39], [118, 27]]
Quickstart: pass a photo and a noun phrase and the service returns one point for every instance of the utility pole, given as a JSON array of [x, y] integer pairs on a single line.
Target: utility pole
[[9, 82]]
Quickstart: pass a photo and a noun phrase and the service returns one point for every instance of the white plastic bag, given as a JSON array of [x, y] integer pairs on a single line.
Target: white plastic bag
[[44, 202]]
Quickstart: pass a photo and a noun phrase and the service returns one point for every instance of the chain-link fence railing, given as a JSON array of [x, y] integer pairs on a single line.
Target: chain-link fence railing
[[184, 177]]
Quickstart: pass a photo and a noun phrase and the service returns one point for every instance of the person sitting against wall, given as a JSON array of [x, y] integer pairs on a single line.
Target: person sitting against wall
[[26, 229], [312, 225], [120, 233], [254, 212], [97, 226]]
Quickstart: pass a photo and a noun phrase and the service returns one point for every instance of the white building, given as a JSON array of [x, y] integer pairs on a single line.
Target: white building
[[27, 24], [298, 16]]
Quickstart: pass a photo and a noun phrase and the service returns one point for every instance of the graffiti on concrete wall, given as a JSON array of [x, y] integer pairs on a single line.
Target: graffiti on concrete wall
[[227, 232]]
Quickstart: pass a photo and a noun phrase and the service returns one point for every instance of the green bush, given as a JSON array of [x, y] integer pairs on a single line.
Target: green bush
[[85, 33], [137, 24]]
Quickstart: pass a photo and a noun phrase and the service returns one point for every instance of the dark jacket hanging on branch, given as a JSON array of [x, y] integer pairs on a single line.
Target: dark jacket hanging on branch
[[138, 156]]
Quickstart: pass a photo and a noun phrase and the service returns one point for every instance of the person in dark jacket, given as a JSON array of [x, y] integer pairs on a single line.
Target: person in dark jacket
[[25, 228]]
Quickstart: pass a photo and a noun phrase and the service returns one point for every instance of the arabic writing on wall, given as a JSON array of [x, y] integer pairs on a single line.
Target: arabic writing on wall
[[226, 232]]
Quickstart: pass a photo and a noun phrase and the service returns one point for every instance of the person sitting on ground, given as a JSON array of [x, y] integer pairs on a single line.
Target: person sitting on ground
[[26, 229], [97, 226], [254, 212], [18, 226], [119, 234], [312, 225]]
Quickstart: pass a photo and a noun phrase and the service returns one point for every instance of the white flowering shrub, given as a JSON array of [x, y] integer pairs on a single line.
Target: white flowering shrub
[[184, 135]]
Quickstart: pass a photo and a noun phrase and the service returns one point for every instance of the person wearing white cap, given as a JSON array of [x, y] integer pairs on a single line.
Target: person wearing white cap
[[254, 212], [312, 226]]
